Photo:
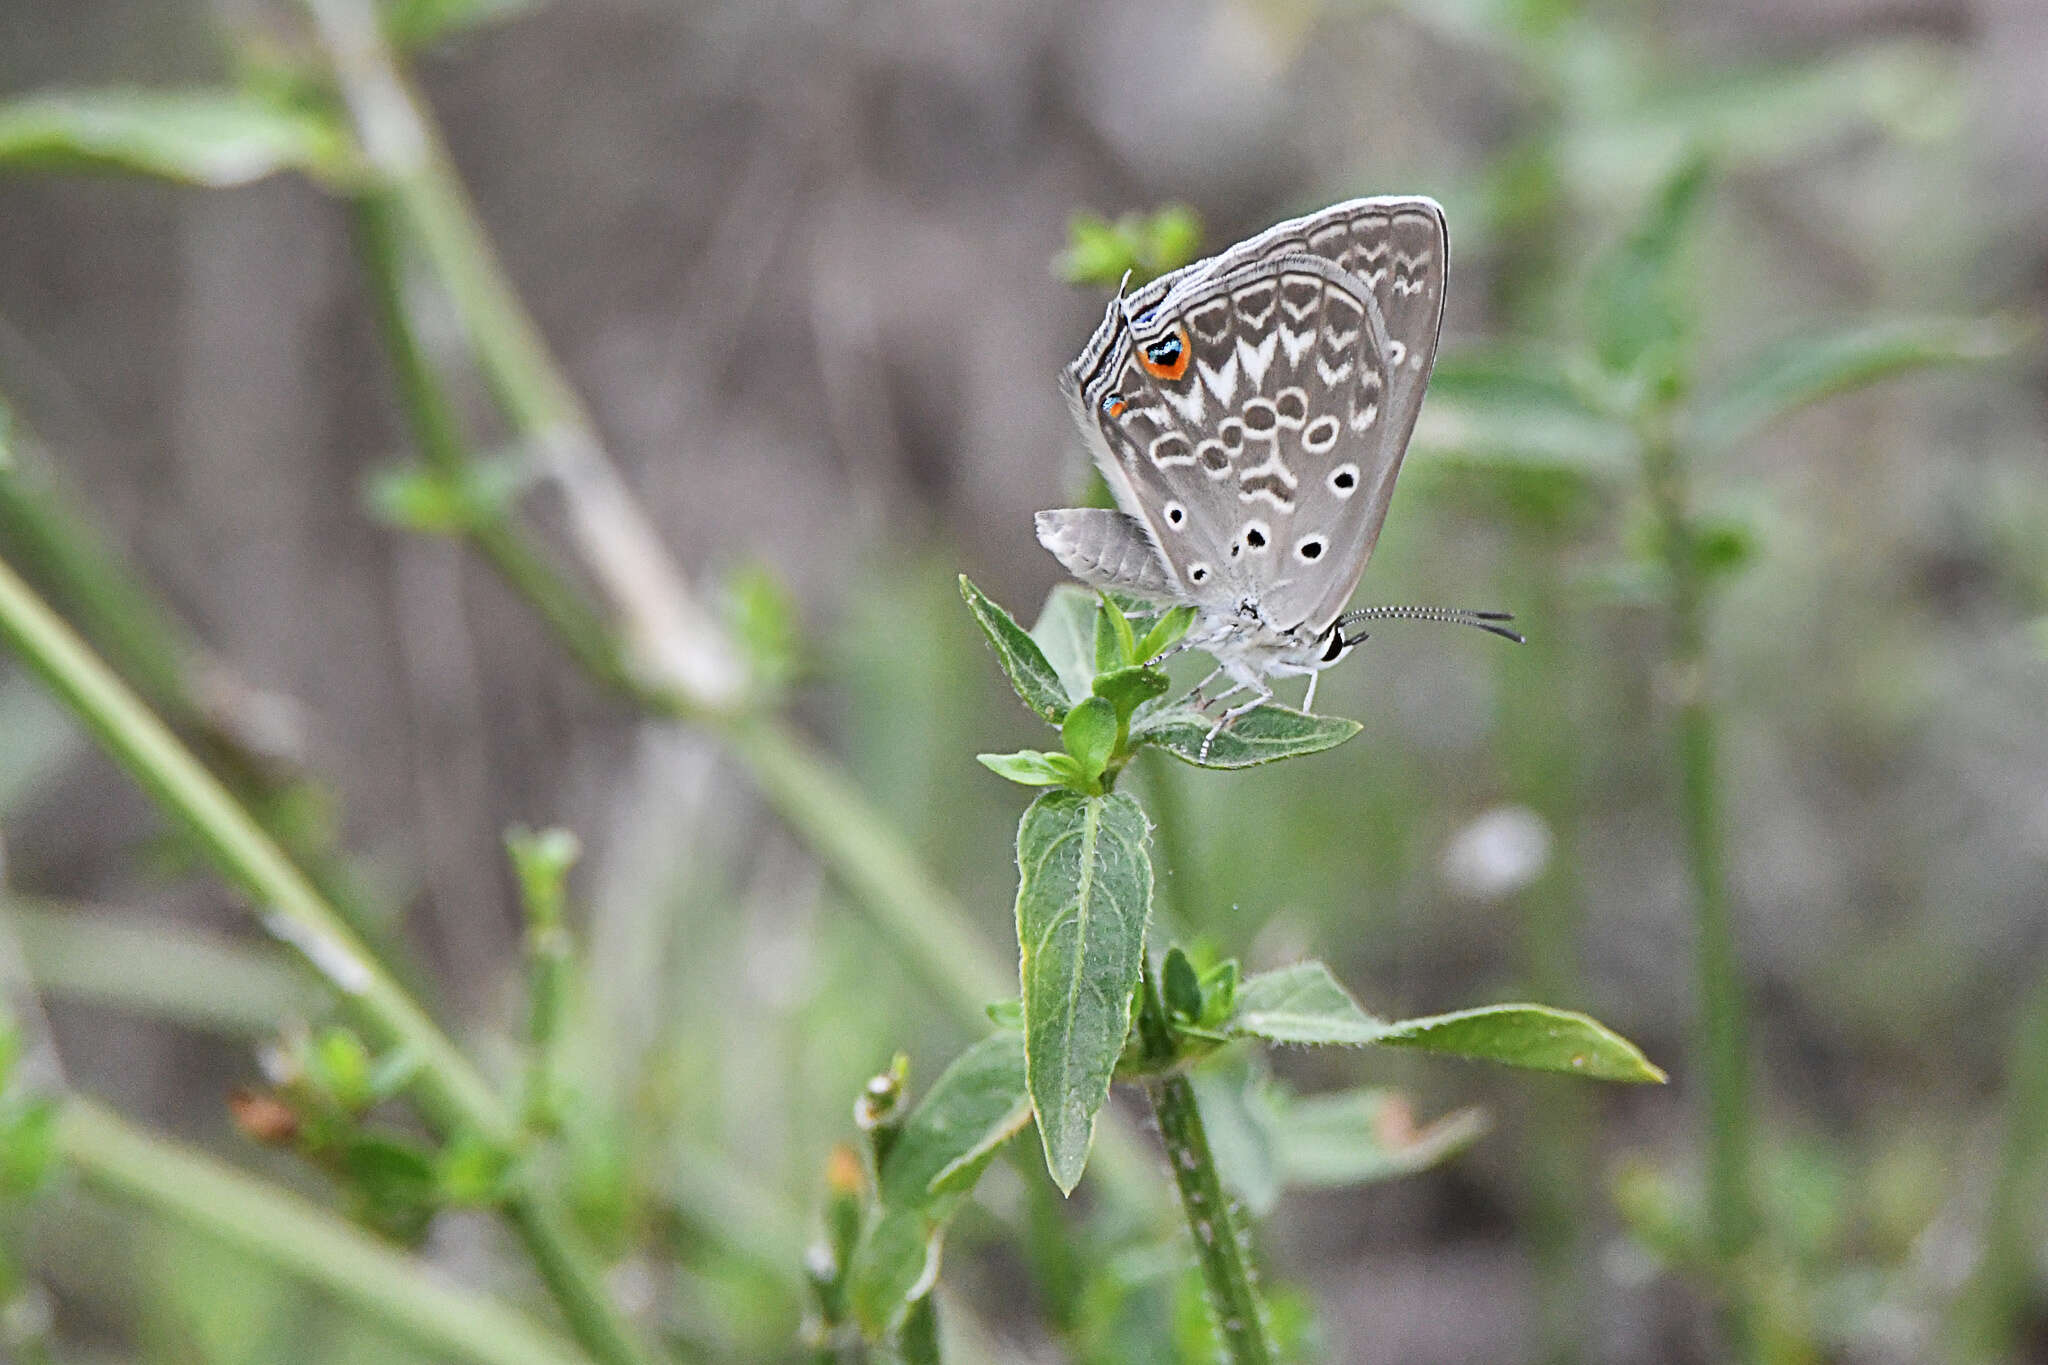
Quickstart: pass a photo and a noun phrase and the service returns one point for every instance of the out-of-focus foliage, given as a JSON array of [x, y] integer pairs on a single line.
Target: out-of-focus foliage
[[799, 270]]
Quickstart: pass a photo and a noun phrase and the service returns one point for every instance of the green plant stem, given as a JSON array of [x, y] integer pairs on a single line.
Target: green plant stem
[[418, 189], [1240, 1315], [435, 429], [1723, 1028], [59, 551], [1990, 1314], [284, 1230], [451, 1092], [667, 639], [135, 738], [1541, 743]]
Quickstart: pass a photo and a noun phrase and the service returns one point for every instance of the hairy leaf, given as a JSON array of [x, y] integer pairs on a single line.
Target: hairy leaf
[[1065, 631], [1022, 660], [1084, 891], [1305, 1004], [1266, 735], [1032, 768]]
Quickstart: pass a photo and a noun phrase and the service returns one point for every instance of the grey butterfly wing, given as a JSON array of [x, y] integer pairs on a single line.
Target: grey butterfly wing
[[1138, 443], [1107, 549], [1240, 416], [1400, 249]]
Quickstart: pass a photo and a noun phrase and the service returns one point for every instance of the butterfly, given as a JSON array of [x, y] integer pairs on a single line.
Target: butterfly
[[1249, 413]]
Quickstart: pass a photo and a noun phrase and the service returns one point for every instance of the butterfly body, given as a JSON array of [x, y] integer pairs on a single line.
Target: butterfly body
[[1249, 413]]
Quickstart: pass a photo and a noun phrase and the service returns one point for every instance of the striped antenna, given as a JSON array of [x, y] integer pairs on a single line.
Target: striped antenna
[[1488, 621]]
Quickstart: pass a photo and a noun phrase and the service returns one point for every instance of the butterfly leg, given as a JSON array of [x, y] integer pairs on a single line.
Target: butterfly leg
[[1194, 698], [1262, 693]]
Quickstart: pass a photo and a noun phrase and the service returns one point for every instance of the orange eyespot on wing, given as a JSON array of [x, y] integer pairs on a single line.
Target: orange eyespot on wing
[[1167, 358]]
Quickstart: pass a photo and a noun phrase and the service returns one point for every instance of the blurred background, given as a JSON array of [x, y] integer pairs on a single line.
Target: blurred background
[[799, 261]]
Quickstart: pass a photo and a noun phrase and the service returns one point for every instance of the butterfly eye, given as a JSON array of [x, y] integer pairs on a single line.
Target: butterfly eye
[[1336, 649], [1166, 358]]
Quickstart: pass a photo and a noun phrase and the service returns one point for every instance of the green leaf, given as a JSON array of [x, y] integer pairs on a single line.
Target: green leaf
[[339, 1065], [1305, 1004], [1770, 114], [976, 1105], [206, 137], [542, 861], [1146, 245], [433, 502], [1637, 297], [1356, 1137], [1219, 993], [1232, 1092], [762, 614], [413, 24], [1499, 410], [1089, 732], [1267, 1139], [1534, 1036], [1022, 660], [1302, 1004], [1266, 735], [1183, 989], [1807, 370], [1083, 895], [28, 1146], [1007, 1014], [1034, 768], [1723, 544], [394, 1184], [1166, 632], [894, 1265], [473, 1172], [938, 1152], [1116, 646], [1127, 689], [917, 1341], [1066, 632]]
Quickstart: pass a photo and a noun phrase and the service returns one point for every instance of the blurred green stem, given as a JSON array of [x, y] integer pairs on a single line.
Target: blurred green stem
[[1723, 1029], [282, 1230], [60, 551], [1991, 1312], [663, 653], [450, 1090], [1240, 1315], [1541, 741], [431, 418]]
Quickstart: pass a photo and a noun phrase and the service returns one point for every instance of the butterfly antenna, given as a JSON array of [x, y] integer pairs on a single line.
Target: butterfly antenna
[[1123, 306], [1488, 621]]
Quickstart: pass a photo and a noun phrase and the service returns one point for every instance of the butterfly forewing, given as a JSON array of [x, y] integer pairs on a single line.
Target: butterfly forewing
[[1251, 410]]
